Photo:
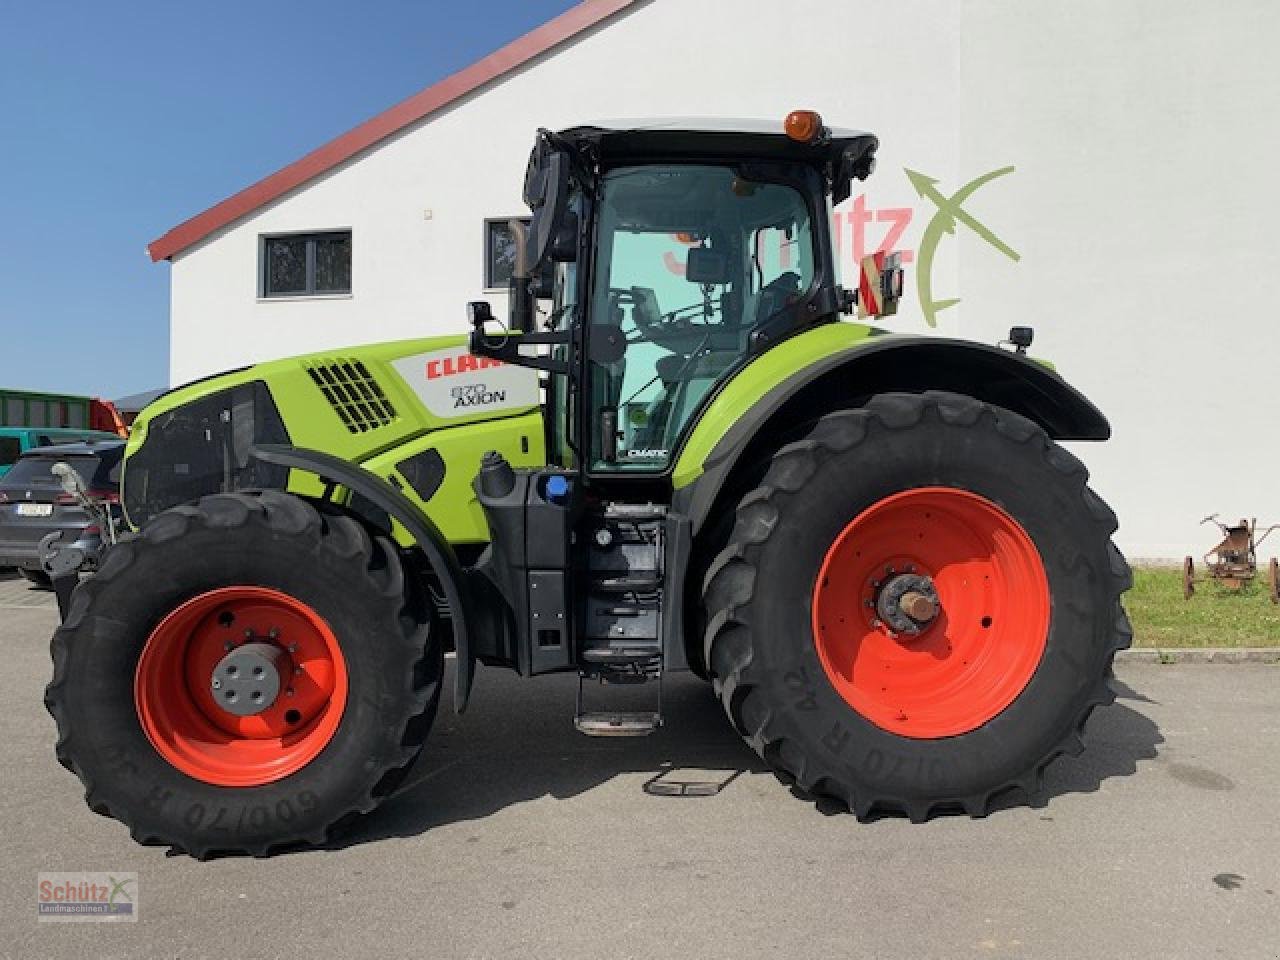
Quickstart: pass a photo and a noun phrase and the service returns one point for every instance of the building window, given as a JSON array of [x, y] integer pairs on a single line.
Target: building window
[[500, 254], [306, 264]]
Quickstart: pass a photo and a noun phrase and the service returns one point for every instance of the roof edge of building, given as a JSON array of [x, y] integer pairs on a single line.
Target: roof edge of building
[[419, 106]]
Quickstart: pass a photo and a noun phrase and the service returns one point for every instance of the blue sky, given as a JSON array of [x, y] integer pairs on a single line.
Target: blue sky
[[120, 119]]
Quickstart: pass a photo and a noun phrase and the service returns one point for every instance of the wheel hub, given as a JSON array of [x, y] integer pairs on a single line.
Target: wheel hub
[[908, 603], [247, 681]]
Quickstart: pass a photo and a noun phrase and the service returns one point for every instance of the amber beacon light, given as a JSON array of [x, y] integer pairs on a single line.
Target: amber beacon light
[[804, 126]]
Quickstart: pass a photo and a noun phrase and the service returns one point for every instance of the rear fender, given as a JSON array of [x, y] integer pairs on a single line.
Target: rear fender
[[743, 423]]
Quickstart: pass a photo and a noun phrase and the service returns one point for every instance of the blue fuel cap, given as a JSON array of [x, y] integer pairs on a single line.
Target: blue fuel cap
[[557, 488]]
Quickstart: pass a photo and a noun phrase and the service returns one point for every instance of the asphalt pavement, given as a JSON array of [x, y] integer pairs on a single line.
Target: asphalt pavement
[[517, 837]]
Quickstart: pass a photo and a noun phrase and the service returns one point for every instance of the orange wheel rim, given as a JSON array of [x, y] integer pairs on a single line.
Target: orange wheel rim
[[980, 647], [177, 703]]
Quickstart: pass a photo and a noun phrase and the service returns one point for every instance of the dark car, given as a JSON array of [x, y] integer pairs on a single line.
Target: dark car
[[15, 441], [34, 504]]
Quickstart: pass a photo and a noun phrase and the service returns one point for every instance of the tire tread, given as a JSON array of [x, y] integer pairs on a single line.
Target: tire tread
[[729, 586], [284, 515]]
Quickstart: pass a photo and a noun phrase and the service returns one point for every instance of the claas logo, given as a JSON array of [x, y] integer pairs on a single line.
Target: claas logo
[[462, 363]]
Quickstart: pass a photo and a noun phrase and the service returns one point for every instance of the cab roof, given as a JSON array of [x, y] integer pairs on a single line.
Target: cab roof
[[845, 153], [743, 125]]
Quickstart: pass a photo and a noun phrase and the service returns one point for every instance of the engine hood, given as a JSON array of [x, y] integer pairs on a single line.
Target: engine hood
[[353, 403]]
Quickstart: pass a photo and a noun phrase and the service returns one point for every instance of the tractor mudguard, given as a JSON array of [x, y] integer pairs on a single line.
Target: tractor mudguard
[[847, 363], [426, 535]]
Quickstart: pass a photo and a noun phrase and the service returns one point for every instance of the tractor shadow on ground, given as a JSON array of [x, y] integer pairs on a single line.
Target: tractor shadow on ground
[[516, 743], [1116, 738]]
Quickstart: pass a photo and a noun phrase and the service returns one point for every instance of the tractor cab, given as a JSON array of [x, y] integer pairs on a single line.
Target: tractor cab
[[681, 250]]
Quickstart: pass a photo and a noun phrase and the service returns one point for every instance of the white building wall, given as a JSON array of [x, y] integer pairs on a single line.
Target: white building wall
[[1145, 134], [1141, 133]]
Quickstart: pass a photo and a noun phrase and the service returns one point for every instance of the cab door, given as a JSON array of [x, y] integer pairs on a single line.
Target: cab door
[[690, 259]]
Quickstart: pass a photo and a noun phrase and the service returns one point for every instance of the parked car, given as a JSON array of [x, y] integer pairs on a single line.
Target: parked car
[[15, 441], [34, 504]]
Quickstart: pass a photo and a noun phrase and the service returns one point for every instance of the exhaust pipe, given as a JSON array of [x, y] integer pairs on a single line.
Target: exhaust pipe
[[521, 298]]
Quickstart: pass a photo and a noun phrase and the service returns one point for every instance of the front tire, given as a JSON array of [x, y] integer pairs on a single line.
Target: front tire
[[958, 502], [315, 602]]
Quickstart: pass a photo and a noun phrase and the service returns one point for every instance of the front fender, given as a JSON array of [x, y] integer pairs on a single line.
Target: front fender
[[842, 364], [339, 472]]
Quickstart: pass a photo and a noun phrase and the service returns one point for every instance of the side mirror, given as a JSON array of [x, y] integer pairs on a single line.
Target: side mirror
[[551, 191], [880, 285], [564, 239]]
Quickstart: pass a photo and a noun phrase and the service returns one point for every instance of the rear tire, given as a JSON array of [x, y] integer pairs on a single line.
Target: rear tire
[[824, 724], [37, 578], [112, 713]]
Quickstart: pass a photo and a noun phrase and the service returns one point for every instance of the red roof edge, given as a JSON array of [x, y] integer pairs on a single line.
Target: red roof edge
[[422, 104]]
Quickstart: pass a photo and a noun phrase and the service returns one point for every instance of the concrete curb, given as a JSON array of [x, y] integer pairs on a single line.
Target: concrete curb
[[1199, 655]]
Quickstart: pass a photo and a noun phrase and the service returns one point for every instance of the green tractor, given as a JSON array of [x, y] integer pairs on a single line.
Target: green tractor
[[678, 453]]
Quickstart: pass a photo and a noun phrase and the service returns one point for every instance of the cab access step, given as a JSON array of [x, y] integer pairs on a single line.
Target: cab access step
[[603, 615], [612, 667]]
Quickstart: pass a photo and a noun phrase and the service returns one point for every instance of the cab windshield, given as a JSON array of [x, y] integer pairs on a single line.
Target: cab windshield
[[690, 260]]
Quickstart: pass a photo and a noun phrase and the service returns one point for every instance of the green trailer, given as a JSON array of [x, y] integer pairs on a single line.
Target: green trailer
[[29, 408]]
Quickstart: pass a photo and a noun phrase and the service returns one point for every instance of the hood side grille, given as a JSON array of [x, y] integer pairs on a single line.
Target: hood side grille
[[353, 393]]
